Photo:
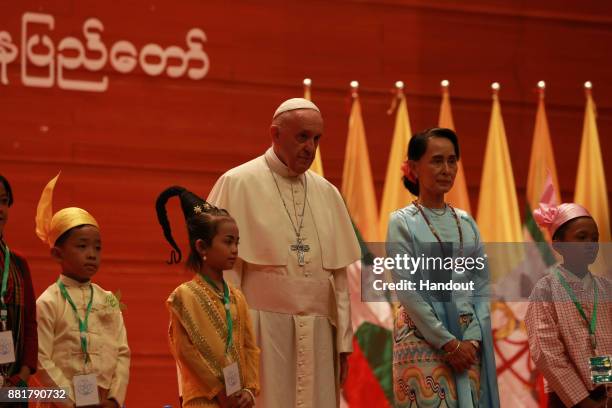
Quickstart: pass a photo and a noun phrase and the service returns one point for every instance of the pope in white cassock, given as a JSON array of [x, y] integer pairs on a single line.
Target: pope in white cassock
[[296, 242]]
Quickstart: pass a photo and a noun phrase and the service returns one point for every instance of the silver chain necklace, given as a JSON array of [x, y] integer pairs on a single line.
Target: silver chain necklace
[[299, 247]]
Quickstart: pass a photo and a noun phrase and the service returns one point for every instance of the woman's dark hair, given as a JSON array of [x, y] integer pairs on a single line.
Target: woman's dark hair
[[418, 146], [202, 222], [8, 189]]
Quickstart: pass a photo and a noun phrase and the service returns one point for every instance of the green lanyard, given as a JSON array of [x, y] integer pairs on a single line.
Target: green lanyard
[[82, 323], [593, 323], [5, 274], [228, 314]]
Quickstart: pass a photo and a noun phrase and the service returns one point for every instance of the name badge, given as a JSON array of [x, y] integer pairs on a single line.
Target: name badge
[[232, 379], [86, 390], [7, 348], [601, 369]]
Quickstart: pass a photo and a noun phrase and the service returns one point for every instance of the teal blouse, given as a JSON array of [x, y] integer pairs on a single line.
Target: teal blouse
[[437, 319]]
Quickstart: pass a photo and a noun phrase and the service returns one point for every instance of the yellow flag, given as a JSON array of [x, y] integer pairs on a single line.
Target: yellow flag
[[508, 318], [317, 164], [541, 164], [395, 195], [357, 184], [498, 214], [591, 188], [458, 195]]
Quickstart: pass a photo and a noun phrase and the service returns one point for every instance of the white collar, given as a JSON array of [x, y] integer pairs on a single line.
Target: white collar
[[73, 282], [277, 166]]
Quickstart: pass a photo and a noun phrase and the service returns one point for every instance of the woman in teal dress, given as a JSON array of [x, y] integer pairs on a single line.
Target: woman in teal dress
[[443, 348]]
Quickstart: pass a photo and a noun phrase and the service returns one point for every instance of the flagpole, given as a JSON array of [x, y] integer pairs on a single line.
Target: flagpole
[[495, 86], [444, 85], [354, 89], [398, 94], [307, 82], [588, 89], [399, 91], [541, 89]]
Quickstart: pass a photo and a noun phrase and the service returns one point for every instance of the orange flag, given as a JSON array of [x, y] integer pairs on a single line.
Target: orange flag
[[591, 188], [317, 164], [395, 195], [357, 183], [458, 196], [541, 167], [498, 214]]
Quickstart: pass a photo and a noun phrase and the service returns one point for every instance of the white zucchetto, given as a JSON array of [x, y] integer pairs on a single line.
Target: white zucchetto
[[293, 104]]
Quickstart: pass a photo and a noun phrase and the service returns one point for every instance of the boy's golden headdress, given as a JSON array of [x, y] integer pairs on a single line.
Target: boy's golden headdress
[[49, 226]]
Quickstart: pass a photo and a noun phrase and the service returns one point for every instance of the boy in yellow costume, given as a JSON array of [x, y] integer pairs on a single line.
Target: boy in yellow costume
[[82, 338]]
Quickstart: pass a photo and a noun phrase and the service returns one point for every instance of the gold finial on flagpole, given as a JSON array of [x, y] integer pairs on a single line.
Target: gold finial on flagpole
[[398, 94], [354, 88], [307, 82], [444, 84], [541, 88], [588, 87], [495, 87]]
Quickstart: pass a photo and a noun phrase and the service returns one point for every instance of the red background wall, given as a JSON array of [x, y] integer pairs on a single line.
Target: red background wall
[[118, 149]]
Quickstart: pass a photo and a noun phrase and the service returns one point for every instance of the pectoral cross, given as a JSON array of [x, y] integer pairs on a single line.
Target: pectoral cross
[[301, 249]]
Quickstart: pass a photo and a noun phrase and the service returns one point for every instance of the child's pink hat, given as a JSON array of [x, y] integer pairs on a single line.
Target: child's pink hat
[[552, 217]]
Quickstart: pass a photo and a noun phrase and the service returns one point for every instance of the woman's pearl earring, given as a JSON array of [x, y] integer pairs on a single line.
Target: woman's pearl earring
[[204, 258]]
